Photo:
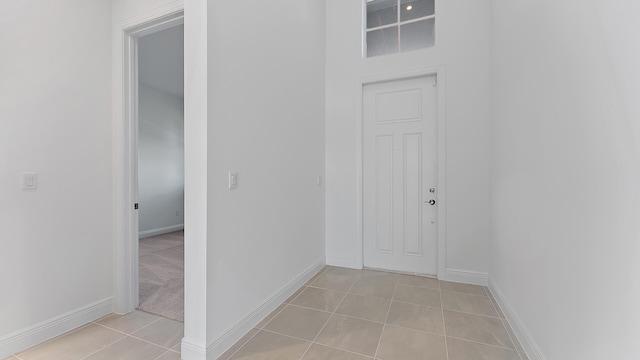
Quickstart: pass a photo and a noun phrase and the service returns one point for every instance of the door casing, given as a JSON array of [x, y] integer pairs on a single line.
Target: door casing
[[126, 277], [440, 75]]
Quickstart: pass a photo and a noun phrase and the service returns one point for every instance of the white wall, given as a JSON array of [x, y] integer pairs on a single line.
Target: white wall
[[566, 174], [160, 159], [266, 121], [196, 121], [123, 10], [463, 45], [55, 108]]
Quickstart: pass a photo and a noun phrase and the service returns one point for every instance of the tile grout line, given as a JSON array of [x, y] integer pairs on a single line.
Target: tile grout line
[[301, 339], [361, 277], [391, 301], [56, 338], [297, 294], [274, 316], [444, 327], [329, 319], [502, 321], [285, 335], [463, 293], [162, 354], [469, 313], [138, 329], [137, 338], [439, 307], [393, 294], [104, 347], [481, 343], [245, 343], [123, 332]]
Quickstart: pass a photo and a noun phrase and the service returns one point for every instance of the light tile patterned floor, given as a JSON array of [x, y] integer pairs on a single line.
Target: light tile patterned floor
[[344, 314], [135, 336], [340, 314]]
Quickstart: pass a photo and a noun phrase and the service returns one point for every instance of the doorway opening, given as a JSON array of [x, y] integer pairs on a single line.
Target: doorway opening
[[126, 133], [160, 172]]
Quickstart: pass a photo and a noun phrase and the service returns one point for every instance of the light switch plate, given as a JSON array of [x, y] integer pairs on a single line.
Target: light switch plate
[[233, 180], [29, 181]]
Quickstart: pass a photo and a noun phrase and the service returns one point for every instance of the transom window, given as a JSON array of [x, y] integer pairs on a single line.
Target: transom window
[[395, 26]]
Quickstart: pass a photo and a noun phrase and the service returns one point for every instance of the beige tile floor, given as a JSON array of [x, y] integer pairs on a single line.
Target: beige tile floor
[[344, 314], [340, 314], [135, 336]]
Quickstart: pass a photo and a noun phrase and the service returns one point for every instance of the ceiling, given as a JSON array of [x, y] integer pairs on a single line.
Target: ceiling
[[161, 60]]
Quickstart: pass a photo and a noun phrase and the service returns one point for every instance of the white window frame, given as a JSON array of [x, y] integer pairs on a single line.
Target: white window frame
[[397, 24]]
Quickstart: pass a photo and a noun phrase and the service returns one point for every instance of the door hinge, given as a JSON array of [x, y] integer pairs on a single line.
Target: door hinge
[[435, 81], [135, 206]]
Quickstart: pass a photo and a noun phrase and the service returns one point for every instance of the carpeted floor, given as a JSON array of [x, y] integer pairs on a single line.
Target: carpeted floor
[[162, 275]]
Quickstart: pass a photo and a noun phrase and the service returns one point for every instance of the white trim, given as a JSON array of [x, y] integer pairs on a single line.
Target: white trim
[[343, 262], [397, 24], [529, 344], [160, 231], [43, 331], [219, 346], [190, 350], [466, 277], [440, 73], [125, 135]]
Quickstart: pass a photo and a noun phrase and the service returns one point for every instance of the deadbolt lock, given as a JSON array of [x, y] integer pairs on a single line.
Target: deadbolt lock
[[432, 190]]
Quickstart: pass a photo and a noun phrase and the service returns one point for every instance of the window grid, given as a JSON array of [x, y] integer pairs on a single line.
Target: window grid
[[397, 24]]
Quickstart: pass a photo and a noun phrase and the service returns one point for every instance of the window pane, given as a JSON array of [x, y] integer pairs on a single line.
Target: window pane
[[417, 35], [383, 41], [381, 12], [413, 9]]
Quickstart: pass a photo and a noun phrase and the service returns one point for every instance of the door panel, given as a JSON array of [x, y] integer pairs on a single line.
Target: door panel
[[400, 143], [412, 198], [398, 106], [384, 193]]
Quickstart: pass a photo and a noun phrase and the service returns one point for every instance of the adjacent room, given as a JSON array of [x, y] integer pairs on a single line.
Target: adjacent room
[[161, 172]]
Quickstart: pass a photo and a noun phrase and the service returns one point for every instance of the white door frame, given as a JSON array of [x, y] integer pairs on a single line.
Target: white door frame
[[441, 194], [125, 134]]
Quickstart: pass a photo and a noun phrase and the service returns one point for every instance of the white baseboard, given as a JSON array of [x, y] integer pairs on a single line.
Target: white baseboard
[[525, 338], [190, 350], [217, 347], [464, 276], [342, 262], [43, 331], [160, 231]]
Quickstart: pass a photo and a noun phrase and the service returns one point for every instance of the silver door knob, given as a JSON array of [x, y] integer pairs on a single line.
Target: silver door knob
[[430, 202]]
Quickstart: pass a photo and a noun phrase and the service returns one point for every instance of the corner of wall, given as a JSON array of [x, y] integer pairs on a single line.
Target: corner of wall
[[465, 276], [530, 346], [217, 347]]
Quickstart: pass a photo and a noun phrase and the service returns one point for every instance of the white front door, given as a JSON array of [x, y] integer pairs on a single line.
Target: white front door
[[399, 175]]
